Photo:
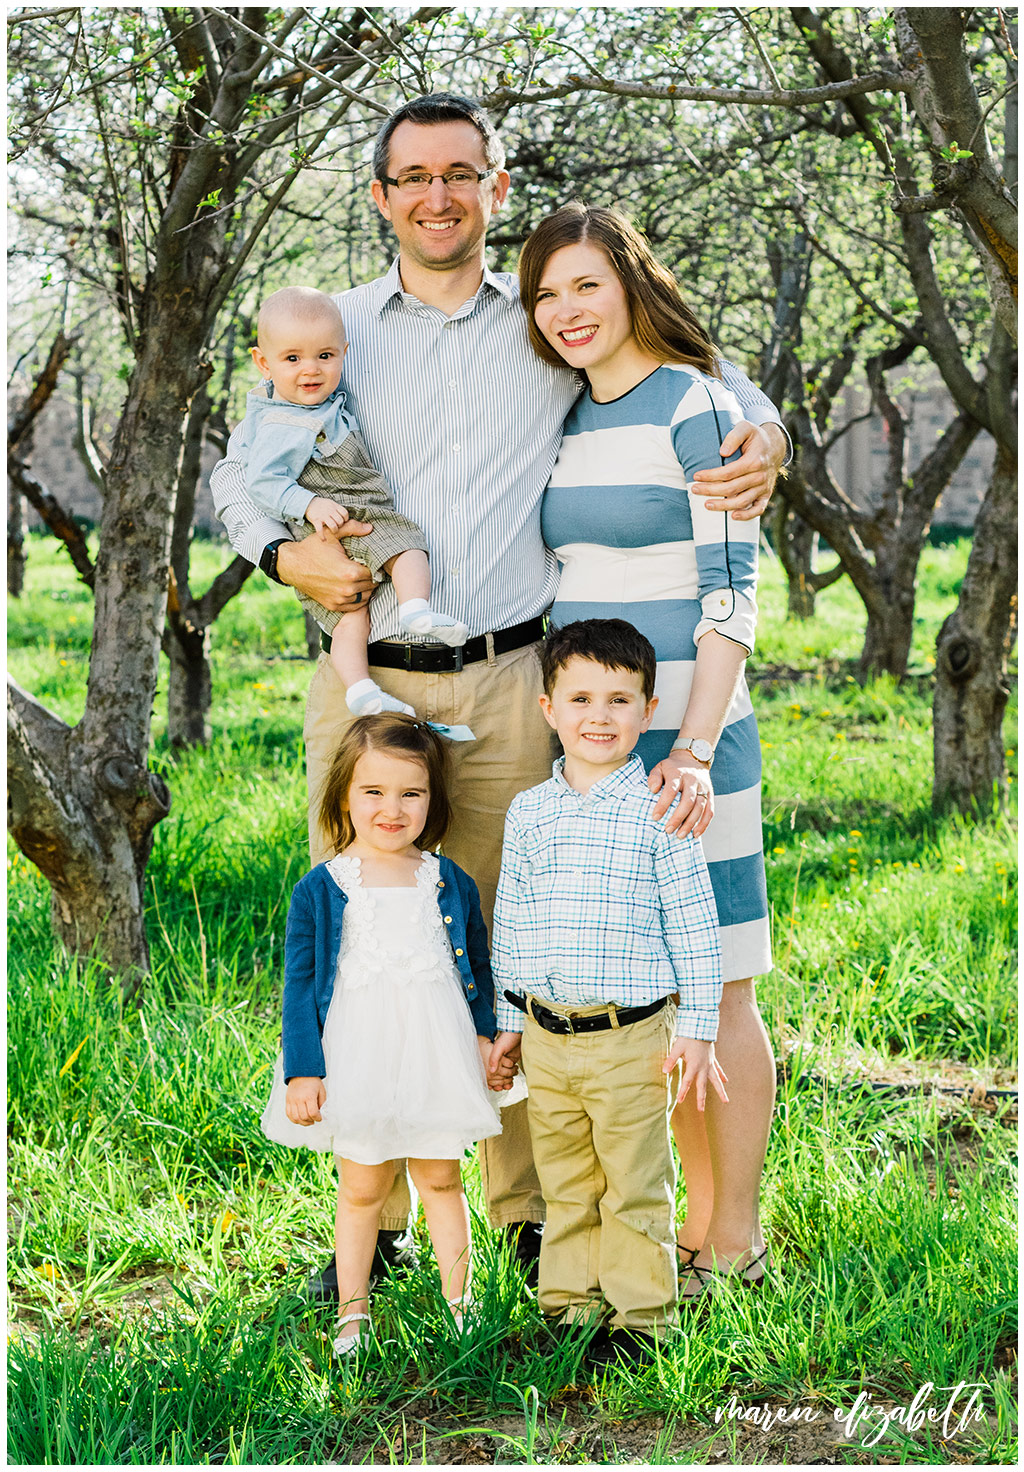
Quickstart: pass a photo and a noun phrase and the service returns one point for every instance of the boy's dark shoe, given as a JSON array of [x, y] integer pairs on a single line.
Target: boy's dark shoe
[[394, 1253], [523, 1241], [629, 1348]]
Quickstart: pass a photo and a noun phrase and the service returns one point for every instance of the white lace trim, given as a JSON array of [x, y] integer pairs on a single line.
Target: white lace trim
[[366, 954]]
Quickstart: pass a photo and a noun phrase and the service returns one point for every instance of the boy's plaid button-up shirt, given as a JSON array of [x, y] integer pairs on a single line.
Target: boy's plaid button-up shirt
[[598, 904]]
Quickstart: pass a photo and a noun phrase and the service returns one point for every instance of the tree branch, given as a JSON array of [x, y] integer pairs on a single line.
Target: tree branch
[[504, 97], [42, 390], [59, 521]]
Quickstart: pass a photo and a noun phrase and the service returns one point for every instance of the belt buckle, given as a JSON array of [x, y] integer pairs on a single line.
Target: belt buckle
[[457, 653], [569, 1029]]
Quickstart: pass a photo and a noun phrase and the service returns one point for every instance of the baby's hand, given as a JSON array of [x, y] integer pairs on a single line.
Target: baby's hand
[[303, 1098], [327, 516], [699, 1066]]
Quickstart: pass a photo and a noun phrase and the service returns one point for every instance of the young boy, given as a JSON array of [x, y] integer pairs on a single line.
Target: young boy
[[302, 453], [606, 937]]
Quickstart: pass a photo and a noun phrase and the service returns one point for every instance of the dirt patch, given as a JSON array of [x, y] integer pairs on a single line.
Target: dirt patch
[[758, 1433]]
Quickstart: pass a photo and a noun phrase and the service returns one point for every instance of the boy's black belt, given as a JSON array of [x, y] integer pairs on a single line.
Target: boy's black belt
[[438, 659], [598, 1022]]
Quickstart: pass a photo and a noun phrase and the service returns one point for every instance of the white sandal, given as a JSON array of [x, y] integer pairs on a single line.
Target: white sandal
[[461, 1309], [348, 1344]]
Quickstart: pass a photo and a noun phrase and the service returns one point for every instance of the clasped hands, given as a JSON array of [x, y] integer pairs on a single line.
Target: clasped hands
[[700, 1066]]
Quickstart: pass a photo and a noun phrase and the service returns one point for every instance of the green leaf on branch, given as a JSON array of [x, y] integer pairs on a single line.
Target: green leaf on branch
[[953, 153]]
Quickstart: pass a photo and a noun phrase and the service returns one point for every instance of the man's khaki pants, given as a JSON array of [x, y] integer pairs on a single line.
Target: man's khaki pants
[[514, 749], [599, 1109]]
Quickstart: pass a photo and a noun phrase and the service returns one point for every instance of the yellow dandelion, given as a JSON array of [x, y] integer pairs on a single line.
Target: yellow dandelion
[[179, 1198], [227, 1219], [48, 1271], [779, 849], [856, 833]]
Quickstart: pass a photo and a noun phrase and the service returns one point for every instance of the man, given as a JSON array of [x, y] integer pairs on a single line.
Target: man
[[464, 422]]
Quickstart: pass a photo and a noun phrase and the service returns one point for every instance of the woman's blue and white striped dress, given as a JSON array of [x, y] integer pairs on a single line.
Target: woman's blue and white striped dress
[[634, 544]]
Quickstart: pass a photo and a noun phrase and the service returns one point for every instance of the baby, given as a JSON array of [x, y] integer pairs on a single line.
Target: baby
[[306, 463]]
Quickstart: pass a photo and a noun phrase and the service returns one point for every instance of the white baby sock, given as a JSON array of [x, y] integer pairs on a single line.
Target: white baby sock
[[417, 617], [366, 698]]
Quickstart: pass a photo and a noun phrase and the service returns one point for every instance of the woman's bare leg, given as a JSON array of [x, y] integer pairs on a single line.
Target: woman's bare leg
[[736, 1136]]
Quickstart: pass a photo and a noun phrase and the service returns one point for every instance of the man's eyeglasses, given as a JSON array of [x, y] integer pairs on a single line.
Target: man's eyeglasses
[[455, 180]]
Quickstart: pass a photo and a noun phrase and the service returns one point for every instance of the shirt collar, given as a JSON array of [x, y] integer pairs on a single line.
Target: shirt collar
[[259, 398], [616, 784], [389, 286]]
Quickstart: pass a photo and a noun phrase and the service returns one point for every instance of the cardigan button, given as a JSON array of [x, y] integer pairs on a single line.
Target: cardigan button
[[447, 919], [440, 884], [459, 951]]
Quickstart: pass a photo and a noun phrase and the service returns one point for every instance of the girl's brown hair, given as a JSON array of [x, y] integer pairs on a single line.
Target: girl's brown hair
[[395, 735], [663, 324]]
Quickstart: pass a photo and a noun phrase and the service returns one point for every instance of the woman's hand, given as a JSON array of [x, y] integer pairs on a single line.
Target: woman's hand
[[322, 571], [744, 486], [700, 1068], [681, 772], [303, 1098]]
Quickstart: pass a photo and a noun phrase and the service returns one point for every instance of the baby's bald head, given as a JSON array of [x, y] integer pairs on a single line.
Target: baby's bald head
[[296, 306], [300, 345]]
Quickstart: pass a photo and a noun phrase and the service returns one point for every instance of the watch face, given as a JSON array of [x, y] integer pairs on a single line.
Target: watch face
[[702, 750]]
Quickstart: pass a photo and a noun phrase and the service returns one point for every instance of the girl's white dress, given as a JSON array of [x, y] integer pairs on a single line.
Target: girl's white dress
[[404, 1075]]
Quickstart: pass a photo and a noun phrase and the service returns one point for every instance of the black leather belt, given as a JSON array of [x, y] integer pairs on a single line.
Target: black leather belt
[[438, 659], [569, 1026]]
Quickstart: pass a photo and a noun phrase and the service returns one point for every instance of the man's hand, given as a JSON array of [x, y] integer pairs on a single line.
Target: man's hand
[[681, 772], [303, 1099], [502, 1064], [328, 517], [699, 1067], [322, 571], [745, 486]]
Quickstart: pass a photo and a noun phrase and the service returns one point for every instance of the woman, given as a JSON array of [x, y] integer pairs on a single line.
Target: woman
[[633, 544]]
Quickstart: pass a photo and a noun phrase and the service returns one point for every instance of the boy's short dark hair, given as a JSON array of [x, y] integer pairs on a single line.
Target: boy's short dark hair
[[608, 641], [438, 107]]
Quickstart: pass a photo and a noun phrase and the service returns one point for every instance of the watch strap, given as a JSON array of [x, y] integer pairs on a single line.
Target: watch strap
[[268, 560]]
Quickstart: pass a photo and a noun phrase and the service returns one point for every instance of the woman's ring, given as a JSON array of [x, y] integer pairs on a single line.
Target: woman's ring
[[359, 597]]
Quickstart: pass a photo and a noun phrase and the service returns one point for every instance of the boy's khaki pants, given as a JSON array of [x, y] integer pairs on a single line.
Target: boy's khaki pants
[[599, 1106], [498, 699]]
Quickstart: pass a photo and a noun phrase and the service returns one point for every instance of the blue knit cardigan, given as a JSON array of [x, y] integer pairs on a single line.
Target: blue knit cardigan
[[313, 941]]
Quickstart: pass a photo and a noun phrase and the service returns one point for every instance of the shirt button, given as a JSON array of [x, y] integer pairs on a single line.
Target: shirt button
[[456, 448], [452, 383]]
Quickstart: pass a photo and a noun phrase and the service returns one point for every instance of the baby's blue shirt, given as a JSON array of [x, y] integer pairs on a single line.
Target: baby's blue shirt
[[276, 439]]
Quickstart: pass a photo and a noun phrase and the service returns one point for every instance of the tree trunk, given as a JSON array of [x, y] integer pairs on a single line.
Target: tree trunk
[[185, 642], [87, 825], [15, 541], [189, 685], [888, 634], [312, 636], [971, 686]]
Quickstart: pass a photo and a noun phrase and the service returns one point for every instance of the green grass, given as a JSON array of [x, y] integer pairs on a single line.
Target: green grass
[[156, 1236]]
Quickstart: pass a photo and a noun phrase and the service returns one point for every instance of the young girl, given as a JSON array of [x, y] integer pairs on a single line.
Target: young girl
[[388, 1006]]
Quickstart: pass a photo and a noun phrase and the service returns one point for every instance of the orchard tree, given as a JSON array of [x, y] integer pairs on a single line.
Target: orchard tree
[[206, 106]]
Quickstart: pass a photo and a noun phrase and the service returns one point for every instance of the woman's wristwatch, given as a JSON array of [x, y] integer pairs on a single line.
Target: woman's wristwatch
[[701, 749]]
